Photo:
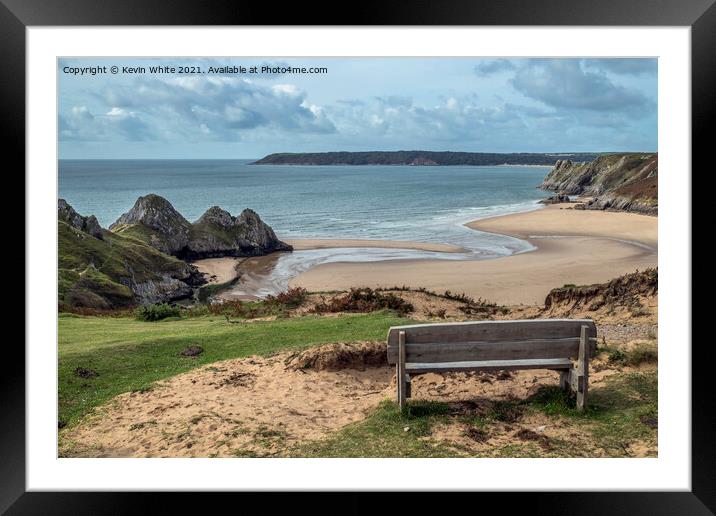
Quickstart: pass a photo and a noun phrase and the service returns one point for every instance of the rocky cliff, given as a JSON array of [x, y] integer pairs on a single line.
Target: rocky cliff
[[216, 233], [154, 220], [627, 182], [90, 225], [100, 269]]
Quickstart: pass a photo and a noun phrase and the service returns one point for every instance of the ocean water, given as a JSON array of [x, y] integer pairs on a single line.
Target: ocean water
[[424, 204]]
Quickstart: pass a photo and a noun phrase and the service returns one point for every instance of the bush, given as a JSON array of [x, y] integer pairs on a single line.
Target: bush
[[364, 300], [272, 305], [156, 312], [292, 298]]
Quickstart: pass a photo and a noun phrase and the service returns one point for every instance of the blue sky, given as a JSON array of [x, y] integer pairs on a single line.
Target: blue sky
[[458, 104]]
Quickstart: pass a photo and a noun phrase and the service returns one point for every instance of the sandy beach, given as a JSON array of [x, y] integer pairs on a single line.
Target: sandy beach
[[218, 270], [573, 246]]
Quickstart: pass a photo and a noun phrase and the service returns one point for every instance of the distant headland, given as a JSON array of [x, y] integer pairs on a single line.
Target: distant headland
[[422, 158]]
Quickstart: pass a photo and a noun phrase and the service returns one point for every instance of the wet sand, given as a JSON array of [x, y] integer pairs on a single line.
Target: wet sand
[[325, 243]]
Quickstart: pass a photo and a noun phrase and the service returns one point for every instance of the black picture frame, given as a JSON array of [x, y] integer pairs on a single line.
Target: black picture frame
[[17, 15]]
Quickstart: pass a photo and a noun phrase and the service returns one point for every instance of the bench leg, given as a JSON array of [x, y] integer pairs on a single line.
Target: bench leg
[[564, 380], [400, 372], [583, 369], [400, 388]]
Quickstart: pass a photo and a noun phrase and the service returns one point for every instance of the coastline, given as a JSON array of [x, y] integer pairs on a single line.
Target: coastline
[[569, 246], [306, 244], [572, 246]]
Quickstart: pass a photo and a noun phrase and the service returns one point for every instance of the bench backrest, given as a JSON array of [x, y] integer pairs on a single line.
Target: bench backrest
[[491, 340]]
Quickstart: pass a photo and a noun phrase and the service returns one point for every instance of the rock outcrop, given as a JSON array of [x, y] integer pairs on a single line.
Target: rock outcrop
[[556, 199], [626, 182], [154, 219], [215, 234], [115, 271], [218, 233], [88, 224]]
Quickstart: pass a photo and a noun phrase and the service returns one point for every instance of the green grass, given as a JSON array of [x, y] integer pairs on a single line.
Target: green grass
[[383, 434], [615, 412], [641, 353], [130, 355], [614, 419]]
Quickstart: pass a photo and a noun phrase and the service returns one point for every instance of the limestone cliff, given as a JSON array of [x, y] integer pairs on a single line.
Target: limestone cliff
[[626, 182], [154, 220], [217, 233], [101, 269]]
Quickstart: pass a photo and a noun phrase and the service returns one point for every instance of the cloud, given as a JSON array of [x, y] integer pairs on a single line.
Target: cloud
[[485, 68], [456, 118], [526, 104], [81, 125], [197, 107], [565, 84], [624, 66]]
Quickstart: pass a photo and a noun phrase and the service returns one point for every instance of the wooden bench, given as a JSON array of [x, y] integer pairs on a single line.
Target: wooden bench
[[495, 345]]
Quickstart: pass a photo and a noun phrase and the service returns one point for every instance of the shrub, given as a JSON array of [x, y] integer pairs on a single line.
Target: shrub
[[292, 298], [156, 312], [470, 305], [272, 305], [364, 300]]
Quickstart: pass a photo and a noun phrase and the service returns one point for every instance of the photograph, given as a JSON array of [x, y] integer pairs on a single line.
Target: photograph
[[383, 257]]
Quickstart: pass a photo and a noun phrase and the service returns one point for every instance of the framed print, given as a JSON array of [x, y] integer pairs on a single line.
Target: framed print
[[419, 252]]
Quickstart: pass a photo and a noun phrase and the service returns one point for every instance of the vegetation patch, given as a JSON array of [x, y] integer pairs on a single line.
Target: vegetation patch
[[640, 353], [273, 305], [616, 411], [469, 306], [364, 300], [156, 312], [384, 434], [625, 291], [129, 355]]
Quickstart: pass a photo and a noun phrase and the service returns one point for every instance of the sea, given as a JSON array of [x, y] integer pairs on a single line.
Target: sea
[[413, 203]]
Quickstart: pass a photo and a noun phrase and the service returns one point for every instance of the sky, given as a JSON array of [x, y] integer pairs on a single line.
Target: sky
[[357, 104]]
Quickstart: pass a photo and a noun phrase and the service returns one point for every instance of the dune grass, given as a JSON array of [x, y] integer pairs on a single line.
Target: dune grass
[[129, 355]]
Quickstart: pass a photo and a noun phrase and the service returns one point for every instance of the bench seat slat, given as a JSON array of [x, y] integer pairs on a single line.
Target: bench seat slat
[[491, 330], [487, 365], [487, 350]]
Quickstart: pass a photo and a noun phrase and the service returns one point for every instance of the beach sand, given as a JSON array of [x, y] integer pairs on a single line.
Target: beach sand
[[592, 247], [218, 270]]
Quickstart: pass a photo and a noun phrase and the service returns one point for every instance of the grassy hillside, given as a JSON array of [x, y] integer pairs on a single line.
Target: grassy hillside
[[94, 272], [604, 174], [627, 182], [143, 234], [129, 355]]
